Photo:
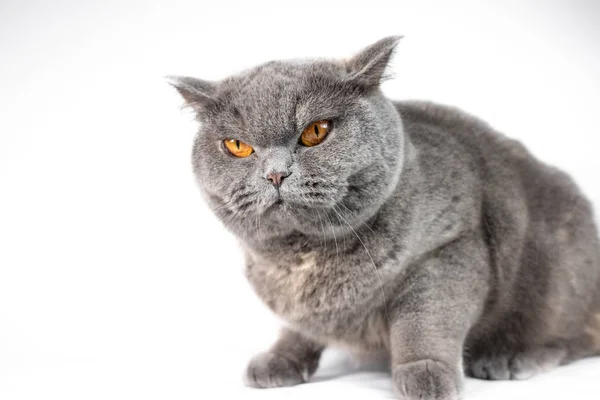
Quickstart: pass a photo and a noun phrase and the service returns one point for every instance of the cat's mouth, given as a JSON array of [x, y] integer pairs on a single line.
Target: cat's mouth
[[276, 205]]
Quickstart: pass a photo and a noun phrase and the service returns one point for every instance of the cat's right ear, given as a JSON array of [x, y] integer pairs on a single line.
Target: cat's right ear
[[198, 94]]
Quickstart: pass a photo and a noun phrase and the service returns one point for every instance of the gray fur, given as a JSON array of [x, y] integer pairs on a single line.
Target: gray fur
[[414, 229]]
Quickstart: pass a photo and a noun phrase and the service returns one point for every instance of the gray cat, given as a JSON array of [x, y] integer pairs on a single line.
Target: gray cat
[[404, 228]]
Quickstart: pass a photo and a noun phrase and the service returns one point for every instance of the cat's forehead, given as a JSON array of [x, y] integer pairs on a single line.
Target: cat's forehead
[[280, 79], [275, 95]]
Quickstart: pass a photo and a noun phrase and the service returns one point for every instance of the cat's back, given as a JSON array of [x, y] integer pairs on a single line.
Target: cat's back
[[538, 226], [507, 171], [455, 147], [501, 163], [436, 123]]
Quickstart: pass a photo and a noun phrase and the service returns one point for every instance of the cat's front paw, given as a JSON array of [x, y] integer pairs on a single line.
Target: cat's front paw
[[427, 380], [268, 370]]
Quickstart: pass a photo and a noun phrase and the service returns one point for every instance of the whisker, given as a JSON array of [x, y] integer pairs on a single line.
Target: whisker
[[223, 205], [350, 282], [259, 234], [305, 243], [323, 231], [372, 262], [356, 216], [337, 250], [226, 221]]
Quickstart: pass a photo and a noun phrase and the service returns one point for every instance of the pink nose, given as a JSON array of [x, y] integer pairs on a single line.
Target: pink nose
[[276, 178]]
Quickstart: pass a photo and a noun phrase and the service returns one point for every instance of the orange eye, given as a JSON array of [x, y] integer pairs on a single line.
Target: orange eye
[[237, 148], [315, 133]]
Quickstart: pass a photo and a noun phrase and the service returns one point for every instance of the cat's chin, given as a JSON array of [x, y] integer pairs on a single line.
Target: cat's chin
[[277, 205], [287, 214]]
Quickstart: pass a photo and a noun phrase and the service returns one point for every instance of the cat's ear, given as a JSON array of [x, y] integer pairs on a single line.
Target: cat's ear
[[367, 68], [198, 94]]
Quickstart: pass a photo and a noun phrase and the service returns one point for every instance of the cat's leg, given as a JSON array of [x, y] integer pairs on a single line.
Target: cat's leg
[[526, 364], [291, 360], [530, 363], [520, 365], [430, 321]]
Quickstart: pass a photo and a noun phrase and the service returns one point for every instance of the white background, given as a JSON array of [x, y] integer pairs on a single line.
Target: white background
[[115, 280]]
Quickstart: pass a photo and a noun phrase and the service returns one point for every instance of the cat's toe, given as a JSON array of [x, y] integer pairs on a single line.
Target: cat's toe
[[530, 363], [493, 368], [426, 379], [268, 370], [522, 365]]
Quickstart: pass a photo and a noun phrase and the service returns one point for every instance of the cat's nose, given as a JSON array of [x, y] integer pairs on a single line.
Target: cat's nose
[[276, 178]]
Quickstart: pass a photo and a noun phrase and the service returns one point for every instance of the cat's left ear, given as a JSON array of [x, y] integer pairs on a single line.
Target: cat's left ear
[[367, 68], [198, 94]]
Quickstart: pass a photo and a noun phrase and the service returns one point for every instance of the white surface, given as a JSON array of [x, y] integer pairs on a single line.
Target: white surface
[[115, 281]]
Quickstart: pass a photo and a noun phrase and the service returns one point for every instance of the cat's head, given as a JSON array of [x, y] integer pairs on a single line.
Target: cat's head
[[307, 146]]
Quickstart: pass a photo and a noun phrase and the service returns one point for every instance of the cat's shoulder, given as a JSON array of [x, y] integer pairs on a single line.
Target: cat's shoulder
[[429, 119], [419, 111]]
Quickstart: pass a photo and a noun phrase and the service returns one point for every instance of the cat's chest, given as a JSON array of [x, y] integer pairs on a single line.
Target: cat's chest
[[295, 287], [340, 299]]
